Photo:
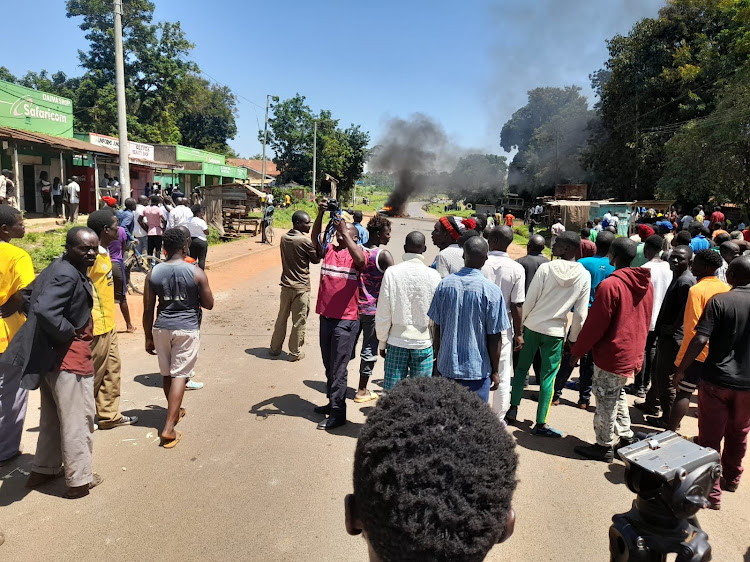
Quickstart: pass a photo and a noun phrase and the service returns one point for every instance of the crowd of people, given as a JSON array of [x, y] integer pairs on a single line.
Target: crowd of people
[[58, 335], [661, 315]]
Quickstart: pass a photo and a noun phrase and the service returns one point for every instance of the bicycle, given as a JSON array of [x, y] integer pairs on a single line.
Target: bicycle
[[268, 231], [140, 263]]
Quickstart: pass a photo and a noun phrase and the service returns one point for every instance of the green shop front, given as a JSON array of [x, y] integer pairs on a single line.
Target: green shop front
[[36, 136], [200, 168]]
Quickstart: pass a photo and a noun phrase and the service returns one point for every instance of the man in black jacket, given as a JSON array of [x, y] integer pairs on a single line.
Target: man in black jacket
[[53, 348]]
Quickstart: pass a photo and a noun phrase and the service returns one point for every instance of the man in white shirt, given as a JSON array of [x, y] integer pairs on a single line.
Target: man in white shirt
[[401, 321], [180, 215], [557, 229], [139, 234], [661, 278], [446, 234], [73, 191], [510, 276], [2, 187]]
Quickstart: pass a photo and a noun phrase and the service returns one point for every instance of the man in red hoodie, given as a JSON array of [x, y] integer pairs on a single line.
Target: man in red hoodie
[[615, 332]]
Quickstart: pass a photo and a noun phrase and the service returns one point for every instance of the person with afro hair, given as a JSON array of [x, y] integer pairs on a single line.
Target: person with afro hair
[[174, 337], [705, 265], [434, 476], [370, 280]]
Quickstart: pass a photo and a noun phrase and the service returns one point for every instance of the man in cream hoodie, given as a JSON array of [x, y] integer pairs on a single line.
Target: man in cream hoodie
[[557, 287], [401, 321]]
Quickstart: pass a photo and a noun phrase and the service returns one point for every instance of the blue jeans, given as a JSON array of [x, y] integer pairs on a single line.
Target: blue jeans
[[480, 386], [369, 353]]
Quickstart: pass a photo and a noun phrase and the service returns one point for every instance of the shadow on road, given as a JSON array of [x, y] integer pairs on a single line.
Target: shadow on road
[[320, 386], [293, 405], [262, 353], [13, 476], [287, 405], [152, 416], [747, 555], [551, 446], [616, 473], [149, 379]]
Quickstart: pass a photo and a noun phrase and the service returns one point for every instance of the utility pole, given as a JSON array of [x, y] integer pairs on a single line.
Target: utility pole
[[265, 139], [122, 122], [315, 154]]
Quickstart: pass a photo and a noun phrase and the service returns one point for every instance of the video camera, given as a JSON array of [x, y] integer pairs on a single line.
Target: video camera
[[334, 208], [672, 478]]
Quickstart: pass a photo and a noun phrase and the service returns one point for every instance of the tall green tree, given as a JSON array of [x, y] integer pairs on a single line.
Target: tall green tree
[[167, 101], [709, 158], [207, 116], [549, 133], [341, 152], [477, 178], [666, 71], [290, 137]]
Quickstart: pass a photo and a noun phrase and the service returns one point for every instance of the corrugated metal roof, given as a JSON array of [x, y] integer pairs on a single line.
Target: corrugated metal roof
[[61, 143], [76, 145]]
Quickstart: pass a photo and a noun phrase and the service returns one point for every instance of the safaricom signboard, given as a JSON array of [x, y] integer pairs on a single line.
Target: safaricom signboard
[[32, 110]]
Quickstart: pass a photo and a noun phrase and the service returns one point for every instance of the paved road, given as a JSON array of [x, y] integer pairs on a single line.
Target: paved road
[[253, 479], [414, 208]]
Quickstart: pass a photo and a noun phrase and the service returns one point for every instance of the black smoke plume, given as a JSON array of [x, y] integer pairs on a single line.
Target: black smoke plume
[[413, 150]]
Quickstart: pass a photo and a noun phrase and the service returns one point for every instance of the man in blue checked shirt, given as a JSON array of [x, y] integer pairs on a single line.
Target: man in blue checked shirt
[[469, 315]]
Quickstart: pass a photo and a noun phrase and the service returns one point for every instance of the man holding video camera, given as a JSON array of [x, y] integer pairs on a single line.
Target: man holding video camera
[[337, 305]]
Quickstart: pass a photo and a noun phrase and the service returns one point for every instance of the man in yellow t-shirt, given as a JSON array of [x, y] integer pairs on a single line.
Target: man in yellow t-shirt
[[105, 349], [16, 272], [705, 265]]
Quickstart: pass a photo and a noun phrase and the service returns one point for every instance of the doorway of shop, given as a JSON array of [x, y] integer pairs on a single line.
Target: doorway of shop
[[29, 189]]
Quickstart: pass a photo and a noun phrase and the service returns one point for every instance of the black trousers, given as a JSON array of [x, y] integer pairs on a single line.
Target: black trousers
[[57, 199], [154, 245], [643, 378], [337, 339], [198, 251], [661, 392], [585, 377]]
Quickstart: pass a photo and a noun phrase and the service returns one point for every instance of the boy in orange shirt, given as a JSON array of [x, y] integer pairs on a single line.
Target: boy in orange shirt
[[705, 265]]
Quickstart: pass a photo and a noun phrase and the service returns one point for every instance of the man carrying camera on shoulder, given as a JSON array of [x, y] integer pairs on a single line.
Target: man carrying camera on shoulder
[[337, 305]]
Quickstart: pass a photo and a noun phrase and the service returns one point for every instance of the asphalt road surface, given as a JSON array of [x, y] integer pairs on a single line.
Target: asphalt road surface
[[252, 479]]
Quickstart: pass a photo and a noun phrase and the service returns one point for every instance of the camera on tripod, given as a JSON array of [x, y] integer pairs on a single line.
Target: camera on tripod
[[672, 478]]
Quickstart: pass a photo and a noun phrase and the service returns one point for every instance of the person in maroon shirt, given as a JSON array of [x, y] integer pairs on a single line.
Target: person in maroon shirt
[[587, 247]]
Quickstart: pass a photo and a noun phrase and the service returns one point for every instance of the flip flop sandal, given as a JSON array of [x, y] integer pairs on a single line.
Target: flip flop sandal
[[172, 443], [370, 396], [183, 411]]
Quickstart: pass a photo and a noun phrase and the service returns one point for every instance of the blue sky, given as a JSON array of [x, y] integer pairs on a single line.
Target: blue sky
[[466, 64]]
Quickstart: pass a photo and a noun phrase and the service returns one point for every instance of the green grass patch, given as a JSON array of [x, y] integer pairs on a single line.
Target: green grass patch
[[438, 210], [43, 247], [282, 218]]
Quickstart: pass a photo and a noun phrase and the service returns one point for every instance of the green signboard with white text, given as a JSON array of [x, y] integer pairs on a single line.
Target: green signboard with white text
[[187, 154], [32, 110], [218, 170]]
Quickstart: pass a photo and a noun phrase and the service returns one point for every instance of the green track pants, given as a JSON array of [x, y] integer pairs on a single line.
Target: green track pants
[[550, 349]]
